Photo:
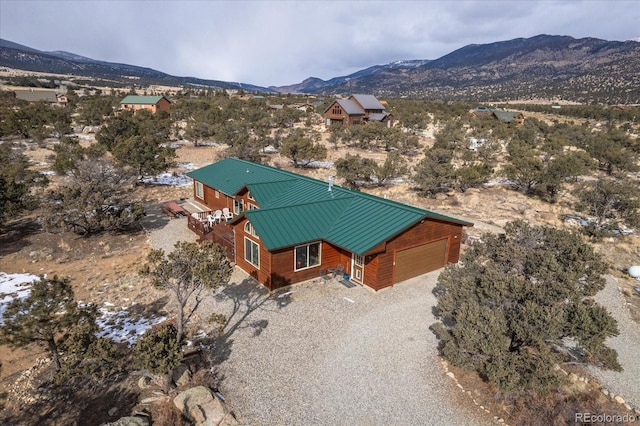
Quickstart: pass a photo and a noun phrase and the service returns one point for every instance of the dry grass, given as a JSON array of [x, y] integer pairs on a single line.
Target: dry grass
[[557, 408]]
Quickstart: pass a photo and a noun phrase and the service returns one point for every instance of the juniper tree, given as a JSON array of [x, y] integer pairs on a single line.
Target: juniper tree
[[609, 201], [159, 351], [147, 154], [302, 149], [186, 272], [47, 316], [394, 166], [435, 173], [95, 197], [356, 170], [515, 301], [16, 182]]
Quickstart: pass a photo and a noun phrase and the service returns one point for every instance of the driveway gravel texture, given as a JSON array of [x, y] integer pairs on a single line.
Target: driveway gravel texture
[[627, 344], [319, 353]]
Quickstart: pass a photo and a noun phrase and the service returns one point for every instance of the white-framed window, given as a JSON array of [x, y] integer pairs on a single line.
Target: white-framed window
[[199, 190], [252, 252], [306, 256], [249, 229], [238, 205], [217, 194], [252, 206], [249, 196]]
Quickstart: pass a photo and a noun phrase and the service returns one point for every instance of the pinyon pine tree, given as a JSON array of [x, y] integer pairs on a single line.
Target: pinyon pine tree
[[520, 303], [46, 317], [186, 272]]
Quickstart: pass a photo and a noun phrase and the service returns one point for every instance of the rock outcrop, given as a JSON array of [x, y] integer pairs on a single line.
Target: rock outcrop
[[203, 408]]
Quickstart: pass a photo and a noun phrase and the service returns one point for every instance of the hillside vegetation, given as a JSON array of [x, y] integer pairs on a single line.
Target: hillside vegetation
[[575, 169]]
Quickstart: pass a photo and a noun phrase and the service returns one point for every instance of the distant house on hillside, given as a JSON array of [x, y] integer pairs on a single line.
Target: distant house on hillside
[[275, 107], [48, 96], [304, 107], [509, 117], [151, 103], [357, 109]]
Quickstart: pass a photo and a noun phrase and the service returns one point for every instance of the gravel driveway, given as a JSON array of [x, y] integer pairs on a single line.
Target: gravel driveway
[[327, 354], [626, 383], [163, 231]]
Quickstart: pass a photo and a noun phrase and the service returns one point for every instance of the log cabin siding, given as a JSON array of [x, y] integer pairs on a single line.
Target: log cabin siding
[[421, 233], [210, 200], [264, 272], [244, 196], [277, 267], [371, 269], [282, 265]]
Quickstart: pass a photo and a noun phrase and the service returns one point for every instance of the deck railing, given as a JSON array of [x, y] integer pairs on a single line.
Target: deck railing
[[197, 222], [220, 234]]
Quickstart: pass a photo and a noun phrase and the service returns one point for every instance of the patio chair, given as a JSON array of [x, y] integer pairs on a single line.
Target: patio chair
[[215, 218], [337, 271], [227, 214], [324, 275]]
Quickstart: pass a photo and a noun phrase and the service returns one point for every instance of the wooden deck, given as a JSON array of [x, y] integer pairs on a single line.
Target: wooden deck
[[221, 233]]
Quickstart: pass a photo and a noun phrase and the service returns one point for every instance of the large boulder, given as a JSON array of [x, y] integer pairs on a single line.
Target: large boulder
[[181, 375], [129, 421], [200, 406]]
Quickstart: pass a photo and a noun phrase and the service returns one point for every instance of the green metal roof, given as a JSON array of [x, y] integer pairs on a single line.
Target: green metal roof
[[265, 192], [287, 226], [506, 116], [367, 223], [142, 100], [296, 209], [231, 175], [303, 191]]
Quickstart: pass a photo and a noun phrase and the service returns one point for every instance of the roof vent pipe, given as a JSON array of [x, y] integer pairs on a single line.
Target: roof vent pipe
[[330, 182]]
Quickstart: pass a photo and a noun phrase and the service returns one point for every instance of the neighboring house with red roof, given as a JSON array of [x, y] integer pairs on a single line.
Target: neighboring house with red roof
[[357, 109], [151, 103], [288, 228]]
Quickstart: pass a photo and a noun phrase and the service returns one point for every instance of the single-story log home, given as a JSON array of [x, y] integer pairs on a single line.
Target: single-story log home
[[357, 109], [288, 228], [151, 103]]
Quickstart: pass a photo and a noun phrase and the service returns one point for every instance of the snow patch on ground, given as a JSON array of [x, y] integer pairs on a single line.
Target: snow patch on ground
[[118, 326], [497, 182], [316, 164], [14, 286], [169, 179], [114, 324], [186, 166]]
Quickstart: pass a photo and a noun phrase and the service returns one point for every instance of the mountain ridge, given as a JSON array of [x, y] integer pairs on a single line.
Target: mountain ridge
[[14, 55], [545, 66]]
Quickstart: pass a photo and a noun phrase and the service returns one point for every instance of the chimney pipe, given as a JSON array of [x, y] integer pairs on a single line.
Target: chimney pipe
[[330, 182]]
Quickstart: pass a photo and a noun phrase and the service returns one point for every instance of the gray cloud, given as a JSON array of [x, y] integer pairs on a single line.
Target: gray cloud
[[284, 42]]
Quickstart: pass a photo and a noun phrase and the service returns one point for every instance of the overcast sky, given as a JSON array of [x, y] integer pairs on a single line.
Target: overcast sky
[[283, 42]]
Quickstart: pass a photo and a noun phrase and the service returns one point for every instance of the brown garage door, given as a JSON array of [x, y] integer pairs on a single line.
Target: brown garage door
[[419, 260]]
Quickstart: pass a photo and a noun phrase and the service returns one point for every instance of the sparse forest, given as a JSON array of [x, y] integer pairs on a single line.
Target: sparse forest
[[507, 310]]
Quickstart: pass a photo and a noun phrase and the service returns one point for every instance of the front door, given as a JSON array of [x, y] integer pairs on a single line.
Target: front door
[[357, 268]]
